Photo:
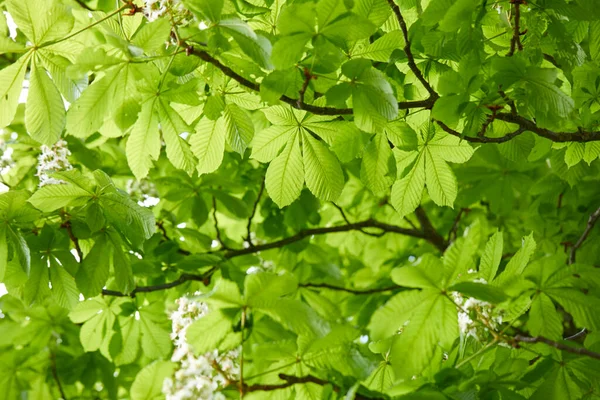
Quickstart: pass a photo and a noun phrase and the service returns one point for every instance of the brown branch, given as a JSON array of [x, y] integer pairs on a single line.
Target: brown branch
[[341, 210], [69, 228], [55, 375], [348, 290], [431, 236], [84, 5], [249, 226], [479, 139], [204, 278], [216, 221], [291, 380], [590, 225], [429, 231], [454, 228], [515, 41], [523, 123], [409, 55], [560, 346], [403, 105]]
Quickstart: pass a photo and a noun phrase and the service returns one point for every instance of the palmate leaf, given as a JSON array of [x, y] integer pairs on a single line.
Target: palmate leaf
[[408, 191], [491, 257], [178, 150], [208, 144], [53, 197], [148, 382], [143, 144], [378, 167], [285, 175], [45, 111], [431, 324], [11, 82], [87, 114], [322, 171]]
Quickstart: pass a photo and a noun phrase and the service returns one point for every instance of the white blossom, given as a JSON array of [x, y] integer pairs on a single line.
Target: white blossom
[[144, 192], [472, 310], [53, 159], [196, 376]]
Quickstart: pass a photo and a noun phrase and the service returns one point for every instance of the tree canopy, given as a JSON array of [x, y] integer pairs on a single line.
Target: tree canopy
[[301, 199]]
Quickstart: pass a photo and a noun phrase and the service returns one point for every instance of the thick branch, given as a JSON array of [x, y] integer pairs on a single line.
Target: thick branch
[[291, 380], [403, 105], [564, 347], [428, 234], [204, 278], [480, 139], [590, 225]]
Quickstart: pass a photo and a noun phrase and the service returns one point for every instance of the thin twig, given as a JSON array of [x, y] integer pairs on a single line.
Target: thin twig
[[564, 347], [590, 225], [55, 375], [341, 210], [69, 228], [249, 227], [216, 221], [291, 380], [515, 41], [409, 55], [479, 139], [83, 5], [348, 290], [454, 229]]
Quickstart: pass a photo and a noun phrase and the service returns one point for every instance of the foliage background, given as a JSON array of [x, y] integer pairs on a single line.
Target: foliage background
[[324, 199]]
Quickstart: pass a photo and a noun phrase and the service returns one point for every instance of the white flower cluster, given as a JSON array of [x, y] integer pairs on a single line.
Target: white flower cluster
[[475, 316], [154, 9], [144, 192], [202, 376], [53, 159]]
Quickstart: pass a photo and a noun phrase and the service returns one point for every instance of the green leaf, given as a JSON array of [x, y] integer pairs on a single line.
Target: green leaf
[[53, 197], [94, 270], [208, 332], [208, 144], [87, 114], [11, 83], [491, 257], [143, 144], [148, 383], [322, 171], [209, 9], [378, 167], [480, 291], [440, 180], [408, 191], [424, 276], [239, 128], [178, 150], [152, 36], [64, 288], [517, 264], [45, 112], [382, 48], [156, 342], [285, 175], [544, 320], [431, 324], [134, 222]]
